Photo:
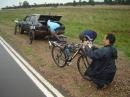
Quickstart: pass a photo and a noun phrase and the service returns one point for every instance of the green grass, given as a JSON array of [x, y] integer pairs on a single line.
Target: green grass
[[100, 19]]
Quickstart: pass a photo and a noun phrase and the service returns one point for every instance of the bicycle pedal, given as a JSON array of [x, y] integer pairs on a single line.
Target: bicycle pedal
[[69, 63]]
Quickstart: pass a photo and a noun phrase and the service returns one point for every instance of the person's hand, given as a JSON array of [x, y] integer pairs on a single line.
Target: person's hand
[[88, 43]]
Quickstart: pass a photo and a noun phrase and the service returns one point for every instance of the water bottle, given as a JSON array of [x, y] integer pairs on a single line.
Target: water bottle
[[67, 51]]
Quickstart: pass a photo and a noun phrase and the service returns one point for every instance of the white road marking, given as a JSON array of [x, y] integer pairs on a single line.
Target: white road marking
[[21, 60], [30, 75]]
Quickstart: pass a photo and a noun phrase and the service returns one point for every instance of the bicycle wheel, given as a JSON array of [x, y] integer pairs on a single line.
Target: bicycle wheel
[[58, 56], [82, 65]]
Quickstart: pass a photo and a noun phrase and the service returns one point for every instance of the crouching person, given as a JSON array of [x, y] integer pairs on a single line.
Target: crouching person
[[56, 28], [102, 69]]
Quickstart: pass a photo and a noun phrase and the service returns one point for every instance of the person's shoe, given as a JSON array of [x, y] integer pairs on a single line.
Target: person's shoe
[[88, 78], [69, 63], [100, 86]]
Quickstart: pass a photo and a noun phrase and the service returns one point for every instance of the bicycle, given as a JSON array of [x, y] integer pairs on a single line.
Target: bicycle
[[61, 58]]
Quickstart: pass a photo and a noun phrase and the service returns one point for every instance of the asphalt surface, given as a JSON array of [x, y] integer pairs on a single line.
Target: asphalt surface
[[13, 80]]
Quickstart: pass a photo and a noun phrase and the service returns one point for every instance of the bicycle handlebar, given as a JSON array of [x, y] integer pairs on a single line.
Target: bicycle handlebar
[[57, 43]]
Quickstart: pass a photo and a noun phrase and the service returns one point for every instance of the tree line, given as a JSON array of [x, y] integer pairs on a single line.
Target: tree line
[[26, 4], [117, 2]]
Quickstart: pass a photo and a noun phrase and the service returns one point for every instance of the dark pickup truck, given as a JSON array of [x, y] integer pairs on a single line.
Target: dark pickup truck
[[35, 25]]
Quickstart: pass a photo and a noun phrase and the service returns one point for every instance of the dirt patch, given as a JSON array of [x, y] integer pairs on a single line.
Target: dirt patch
[[39, 55]]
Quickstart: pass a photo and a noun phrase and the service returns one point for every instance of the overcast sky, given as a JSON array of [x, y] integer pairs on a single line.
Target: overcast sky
[[4, 3]]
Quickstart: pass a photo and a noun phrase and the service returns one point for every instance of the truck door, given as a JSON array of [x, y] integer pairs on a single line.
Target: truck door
[[26, 23]]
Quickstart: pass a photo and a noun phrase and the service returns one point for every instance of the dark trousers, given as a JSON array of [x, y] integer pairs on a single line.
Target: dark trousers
[[102, 78]]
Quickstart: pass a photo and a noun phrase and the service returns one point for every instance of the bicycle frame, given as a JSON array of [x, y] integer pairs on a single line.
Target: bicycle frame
[[81, 48], [54, 43], [74, 55]]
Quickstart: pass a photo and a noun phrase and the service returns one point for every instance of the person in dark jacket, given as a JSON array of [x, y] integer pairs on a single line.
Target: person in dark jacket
[[102, 69]]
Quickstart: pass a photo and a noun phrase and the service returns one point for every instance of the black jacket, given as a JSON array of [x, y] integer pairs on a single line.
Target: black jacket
[[103, 63]]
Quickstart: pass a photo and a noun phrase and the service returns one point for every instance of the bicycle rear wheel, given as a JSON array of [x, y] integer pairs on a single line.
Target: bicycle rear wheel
[[82, 65], [58, 56]]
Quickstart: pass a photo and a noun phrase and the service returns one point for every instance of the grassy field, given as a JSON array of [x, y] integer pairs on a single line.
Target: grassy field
[[101, 19]]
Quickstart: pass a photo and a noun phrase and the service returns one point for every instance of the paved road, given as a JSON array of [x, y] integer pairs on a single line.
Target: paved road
[[13, 80]]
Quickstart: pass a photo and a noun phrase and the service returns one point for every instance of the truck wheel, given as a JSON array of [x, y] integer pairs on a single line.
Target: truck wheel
[[21, 30]]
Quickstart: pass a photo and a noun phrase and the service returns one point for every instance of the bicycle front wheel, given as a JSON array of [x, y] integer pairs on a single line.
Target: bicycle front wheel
[[82, 65], [58, 56]]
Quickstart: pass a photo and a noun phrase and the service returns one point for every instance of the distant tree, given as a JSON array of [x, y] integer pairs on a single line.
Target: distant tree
[[35, 4], [91, 2], [127, 1], [118, 1], [7, 7], [45, 4], [108, 1], [61, 4], [74, 3], [25, 4], [20, 3], [123, 1], [13, 5], [56, 5], [80, 2], [84, 2]]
